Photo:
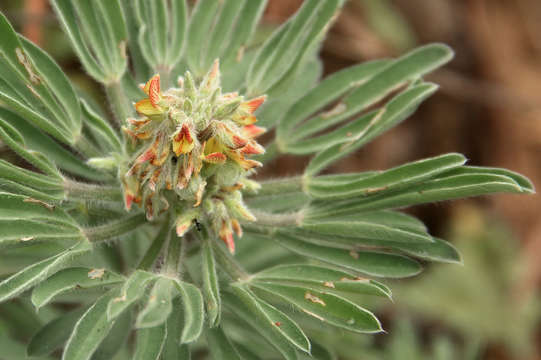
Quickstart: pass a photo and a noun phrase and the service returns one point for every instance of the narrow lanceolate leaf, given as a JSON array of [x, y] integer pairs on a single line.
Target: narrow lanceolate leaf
[[150, 342], [18, 207], [33, 274], [162, 28], [372, 263], [322, 278], [398, 73], [101, 127], [272, 319], [286, 48], [321, 96], [54, 334], [91, 329], [326, 307], [389, 180], [102, 47], [220, 346], [377, 122], [211, 289], [284, 347], [34, 144], [159, 304], [34, 86], [194, 312], [366, 230], [201, 20], [69, 279], [172, 349], [130, 292], [444, 187], [23, 232], [117, 337], [522, 181]]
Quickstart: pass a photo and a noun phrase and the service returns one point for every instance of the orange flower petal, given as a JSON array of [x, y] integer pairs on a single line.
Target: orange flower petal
[[252, 105], [145, 107], [252, 148], [253, 131], [215, 158], [183, 141]]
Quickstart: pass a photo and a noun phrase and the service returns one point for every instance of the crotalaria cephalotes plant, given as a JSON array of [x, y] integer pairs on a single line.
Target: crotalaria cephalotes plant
[[142, 217]]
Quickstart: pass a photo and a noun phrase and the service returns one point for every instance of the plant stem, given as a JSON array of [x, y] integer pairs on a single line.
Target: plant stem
[[78, 191], [115, 228], [86, 147], [174, 255], [155, 248], [226, 261], [278, 220], [120, 103], [279, 187]]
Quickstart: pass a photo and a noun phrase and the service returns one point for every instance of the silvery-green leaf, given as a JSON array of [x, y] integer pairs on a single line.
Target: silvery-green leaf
[[130, 292], [150, 342], [220, 346], [194, 312], [159, 304]]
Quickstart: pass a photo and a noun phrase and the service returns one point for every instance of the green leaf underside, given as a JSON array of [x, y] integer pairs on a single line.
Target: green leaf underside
[[130, 292], [54, 334], [272, 319], [211, 289], [194, 312], [150, 342], [326, 307], [91, 329], [372, 263], [220, 346], [158, 306], [33, 274], [284, 347], [69, 279], [323, 277]]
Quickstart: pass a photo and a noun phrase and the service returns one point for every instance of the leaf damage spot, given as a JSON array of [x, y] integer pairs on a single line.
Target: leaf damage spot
[[336, 110], [27, 238], [96, 273], [277, 323], [39, 202], [328, 284], [354, 254], [314, 315], [308, 296], [23, 60], [375, 190], [119, 299], [122, 47]]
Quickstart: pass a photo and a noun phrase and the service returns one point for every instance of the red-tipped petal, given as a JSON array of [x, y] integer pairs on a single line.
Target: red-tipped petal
[[252, 148], [145, 107], [226, 234], [154, 90], [150, 154], [215, 158], [236, 227], [128, 201], [253, 131], [252, 105]]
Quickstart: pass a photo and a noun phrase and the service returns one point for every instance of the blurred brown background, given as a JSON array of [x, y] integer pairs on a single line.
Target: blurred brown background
[[488, 107]]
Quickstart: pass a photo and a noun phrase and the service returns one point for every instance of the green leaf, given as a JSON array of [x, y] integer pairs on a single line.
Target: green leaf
[[220, 346], [91, 329], [69, 279], [172, 349], [31, 178], [322, 278], [54, 334], [162, 28], [272, 319], [13, 138], [284, 347], [326, 307], [324, 94], [115, 339], [445, 187], [41, 144], [366, 230], [17, 207], [241, 33], [97, 31], [101, 127], [35, 87], [211, 289], [150, 342], [521, 180], [130, 292], [286, 48], [18, 232], [397, 110], [194, 312], [201, 22], [372, 263], [158, 306], [389, 180], [33, 274]]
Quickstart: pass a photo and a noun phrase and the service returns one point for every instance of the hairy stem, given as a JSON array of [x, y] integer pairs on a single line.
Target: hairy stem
[[115, 228], [155, 248], [174, 255], [120, 103], [279, 187], [226, 261], [78, 191], [85, 147], [278, 220]]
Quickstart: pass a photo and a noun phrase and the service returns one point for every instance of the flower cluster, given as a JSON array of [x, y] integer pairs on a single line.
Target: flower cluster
[[192, 146]]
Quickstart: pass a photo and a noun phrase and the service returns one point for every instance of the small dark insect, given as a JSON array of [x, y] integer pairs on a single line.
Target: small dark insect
[[174, 160], [197, 224]]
